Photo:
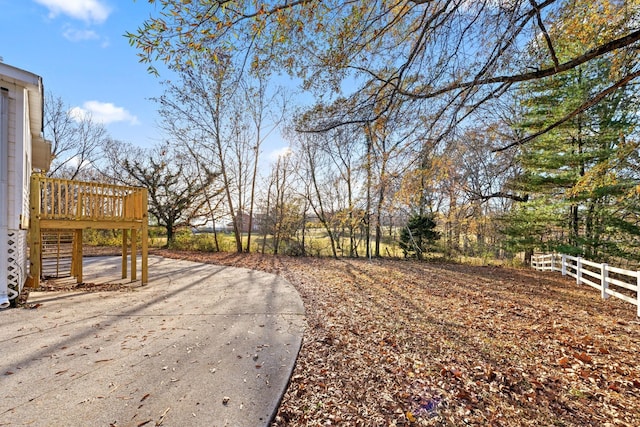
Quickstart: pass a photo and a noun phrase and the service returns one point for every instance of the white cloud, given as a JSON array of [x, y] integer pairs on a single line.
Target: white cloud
[[103, 112], [85, 10], [75, 35], [280, 152]]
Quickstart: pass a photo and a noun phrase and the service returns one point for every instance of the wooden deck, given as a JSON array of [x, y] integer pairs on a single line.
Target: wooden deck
[[61, 204]]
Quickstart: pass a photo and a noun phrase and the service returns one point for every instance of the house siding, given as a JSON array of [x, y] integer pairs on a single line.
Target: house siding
[[15, 251], [16, 140], [12, 162], [25, 153], [4, 194]]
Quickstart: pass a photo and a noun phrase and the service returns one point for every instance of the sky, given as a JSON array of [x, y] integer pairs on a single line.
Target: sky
[[78, 48]]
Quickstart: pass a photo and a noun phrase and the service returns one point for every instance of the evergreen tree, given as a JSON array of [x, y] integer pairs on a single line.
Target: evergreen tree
[[418, 235], [575, 174]]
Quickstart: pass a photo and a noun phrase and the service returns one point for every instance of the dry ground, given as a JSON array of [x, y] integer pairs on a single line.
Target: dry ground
[[404, 343], [393, 342]]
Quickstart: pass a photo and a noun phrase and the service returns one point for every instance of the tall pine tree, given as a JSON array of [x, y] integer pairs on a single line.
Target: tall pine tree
[[575, 174]]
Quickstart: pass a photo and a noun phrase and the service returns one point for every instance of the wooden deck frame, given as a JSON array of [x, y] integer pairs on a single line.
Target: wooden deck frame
[[76, 205]]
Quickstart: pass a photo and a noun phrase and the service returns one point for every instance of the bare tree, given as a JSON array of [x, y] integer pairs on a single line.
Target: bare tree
[[177, 191], [222, 118], [391, 138], [76, 139], [196, 110], [450, 57], [311, 171], [265, 113], [284, 213]]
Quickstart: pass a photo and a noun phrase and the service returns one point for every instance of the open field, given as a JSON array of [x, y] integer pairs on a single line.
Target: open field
[[405, 343]]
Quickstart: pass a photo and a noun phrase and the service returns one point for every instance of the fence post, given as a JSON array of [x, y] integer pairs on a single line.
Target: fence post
[[638, 292], [604, 283], [578, 270], [553, 262], [564, 265]]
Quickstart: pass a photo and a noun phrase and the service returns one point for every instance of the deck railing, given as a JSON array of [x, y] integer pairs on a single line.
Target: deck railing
[[63, 199], [63, 204]]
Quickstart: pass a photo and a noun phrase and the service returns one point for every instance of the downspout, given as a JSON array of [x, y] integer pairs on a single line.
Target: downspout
[[4, 182]]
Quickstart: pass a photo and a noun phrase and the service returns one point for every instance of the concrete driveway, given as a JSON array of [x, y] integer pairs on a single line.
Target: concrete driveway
[[200, 345]]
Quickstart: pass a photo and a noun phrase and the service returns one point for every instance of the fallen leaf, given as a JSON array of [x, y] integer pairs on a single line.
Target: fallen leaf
[[453, 327], [583, 357], [410, 417], [614, 387]]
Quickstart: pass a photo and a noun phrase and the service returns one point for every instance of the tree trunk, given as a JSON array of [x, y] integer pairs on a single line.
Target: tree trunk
[[378, 217], [304, 231], [367, 214], [170, 235], [527, 256], [266, 220], [252, 196], [215, 234], [322, 214]]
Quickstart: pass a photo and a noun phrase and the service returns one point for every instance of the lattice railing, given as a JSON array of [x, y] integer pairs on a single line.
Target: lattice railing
[[16, 259]]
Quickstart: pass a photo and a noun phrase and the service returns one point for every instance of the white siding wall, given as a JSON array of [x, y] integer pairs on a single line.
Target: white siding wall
[[23, 175], [22, 90], [25, 163], [17, 191], [14, 146], [4, 246]]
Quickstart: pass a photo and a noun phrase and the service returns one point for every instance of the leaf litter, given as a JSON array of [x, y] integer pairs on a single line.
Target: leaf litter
[[395, 342]]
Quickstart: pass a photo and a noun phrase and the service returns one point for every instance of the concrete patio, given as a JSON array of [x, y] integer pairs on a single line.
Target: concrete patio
[[200, 345]]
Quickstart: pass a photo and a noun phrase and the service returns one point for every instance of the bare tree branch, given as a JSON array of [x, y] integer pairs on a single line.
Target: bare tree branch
[[539, 74], [502, 195], [545, 33]]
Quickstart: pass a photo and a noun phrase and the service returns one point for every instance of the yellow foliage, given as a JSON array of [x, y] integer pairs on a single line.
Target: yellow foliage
[[585, 24]]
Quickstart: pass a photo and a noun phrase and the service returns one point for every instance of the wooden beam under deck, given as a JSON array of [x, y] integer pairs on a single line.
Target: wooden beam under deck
[[84, 224]]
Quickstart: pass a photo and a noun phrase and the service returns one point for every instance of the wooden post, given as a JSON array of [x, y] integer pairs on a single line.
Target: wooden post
[[638, 292], [578, 271], [74, 249], [76, 259], [80, 207], [564, 265], [35, 240], [604, 283], [145, 238], [124, 253], [134, 252]]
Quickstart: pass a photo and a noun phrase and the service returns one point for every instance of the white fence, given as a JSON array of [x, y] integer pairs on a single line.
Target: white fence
[[610, 281]]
